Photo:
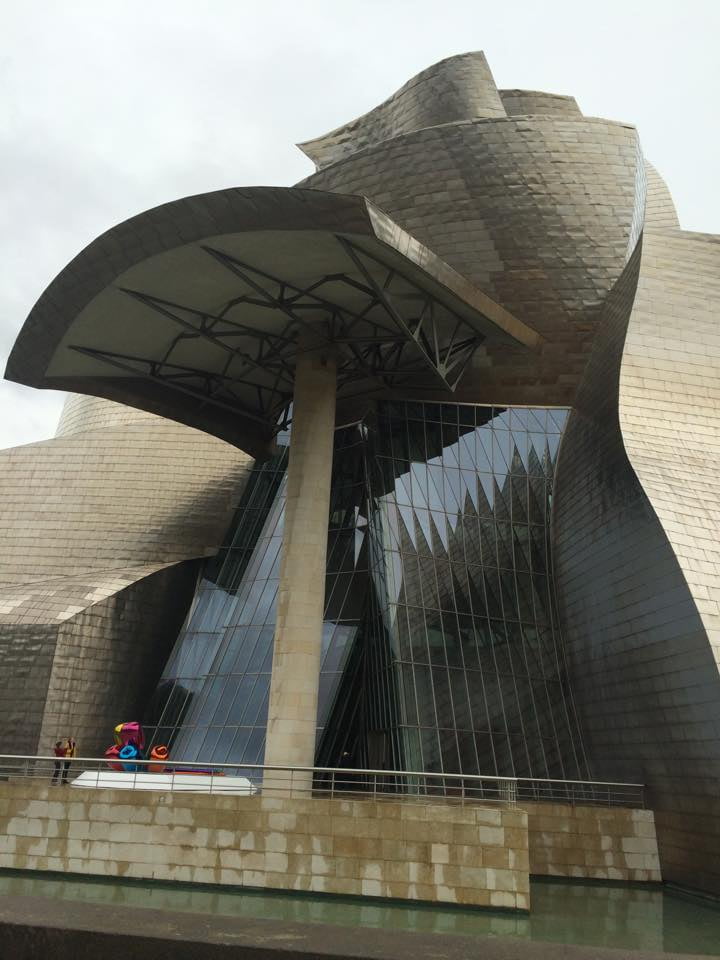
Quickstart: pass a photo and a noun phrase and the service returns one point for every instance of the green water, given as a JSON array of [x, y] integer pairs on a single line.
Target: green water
[[581, 913]]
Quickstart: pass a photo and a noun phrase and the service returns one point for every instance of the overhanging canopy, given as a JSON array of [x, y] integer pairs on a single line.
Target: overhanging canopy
[[194, 310]]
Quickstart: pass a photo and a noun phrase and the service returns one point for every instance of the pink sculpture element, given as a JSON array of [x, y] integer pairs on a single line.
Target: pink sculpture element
[[131, 732]]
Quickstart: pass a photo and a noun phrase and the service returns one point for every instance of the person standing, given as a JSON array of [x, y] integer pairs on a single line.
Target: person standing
[[59, 750], [69, 754]]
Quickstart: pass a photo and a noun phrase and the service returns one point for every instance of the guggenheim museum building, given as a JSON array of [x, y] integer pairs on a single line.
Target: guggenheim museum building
[[414, 465]]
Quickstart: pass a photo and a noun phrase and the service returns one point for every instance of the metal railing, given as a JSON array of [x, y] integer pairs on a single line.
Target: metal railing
[[240, 779]]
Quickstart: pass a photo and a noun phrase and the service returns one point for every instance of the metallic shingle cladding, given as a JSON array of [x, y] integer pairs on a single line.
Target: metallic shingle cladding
[[523, 103], [144, 491], [636, 530], [660, 210], [670, 403], [670, 422], [543, 212], [453, 89], [81, 414], [101, 527], [109, 655], [536, 211], [26, 652]]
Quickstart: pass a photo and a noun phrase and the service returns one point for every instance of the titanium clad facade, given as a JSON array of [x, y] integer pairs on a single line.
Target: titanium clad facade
[[102, 530], [523, 537], [636, 542], [546, 210], [542, 212]]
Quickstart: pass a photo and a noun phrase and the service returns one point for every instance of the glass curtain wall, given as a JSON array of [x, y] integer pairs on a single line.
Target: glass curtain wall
[[441, 645], [211, 703], [460, 563]]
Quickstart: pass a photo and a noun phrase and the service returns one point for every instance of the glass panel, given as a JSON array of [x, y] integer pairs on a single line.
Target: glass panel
[[226, 646], [440, 646]]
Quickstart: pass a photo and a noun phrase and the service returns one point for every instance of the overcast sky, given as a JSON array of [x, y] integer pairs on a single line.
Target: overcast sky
[[110, 108]]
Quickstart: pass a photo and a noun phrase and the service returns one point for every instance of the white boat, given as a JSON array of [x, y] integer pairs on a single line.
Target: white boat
[[164, 782]]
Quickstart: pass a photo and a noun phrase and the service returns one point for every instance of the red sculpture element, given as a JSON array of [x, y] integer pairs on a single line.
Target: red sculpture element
[[112, 752]]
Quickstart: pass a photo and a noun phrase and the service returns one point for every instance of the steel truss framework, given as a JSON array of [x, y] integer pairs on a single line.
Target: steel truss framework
[[394, 333]]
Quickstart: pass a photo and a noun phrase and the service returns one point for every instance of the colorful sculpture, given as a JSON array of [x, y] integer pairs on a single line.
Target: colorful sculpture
[[130, 733], [128, 747]]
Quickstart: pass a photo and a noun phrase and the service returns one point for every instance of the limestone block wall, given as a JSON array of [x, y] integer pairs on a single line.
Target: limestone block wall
[[595, 843], [415, 851]]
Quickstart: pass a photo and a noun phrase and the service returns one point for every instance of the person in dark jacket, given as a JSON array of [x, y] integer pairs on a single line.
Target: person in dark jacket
[[59, 750]]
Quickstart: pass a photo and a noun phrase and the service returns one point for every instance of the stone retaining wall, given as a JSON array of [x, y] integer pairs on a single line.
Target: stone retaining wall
[[600, 843], [413, 851], [436, 852]]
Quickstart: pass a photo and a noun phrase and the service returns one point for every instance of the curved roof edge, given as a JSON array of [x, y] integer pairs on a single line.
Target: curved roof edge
[[660, 211], [158, 230], [457, 88], [188, 221], [537, 102], [155, 231]]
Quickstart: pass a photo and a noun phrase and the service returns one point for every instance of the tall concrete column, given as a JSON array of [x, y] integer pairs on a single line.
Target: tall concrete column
[[292, 712]]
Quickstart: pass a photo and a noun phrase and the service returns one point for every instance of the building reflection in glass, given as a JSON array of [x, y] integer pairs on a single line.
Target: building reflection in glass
[[441, 648]]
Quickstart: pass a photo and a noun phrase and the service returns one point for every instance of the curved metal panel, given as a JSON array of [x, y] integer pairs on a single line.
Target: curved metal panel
[[636, 545], [100, 530], [660, 212], [523, 103], [538, 212], [454, 89], [81, 413]]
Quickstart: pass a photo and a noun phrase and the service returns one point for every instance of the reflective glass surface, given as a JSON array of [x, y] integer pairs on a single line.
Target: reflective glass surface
[[441, 648], [212, 701], [460, 561]]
